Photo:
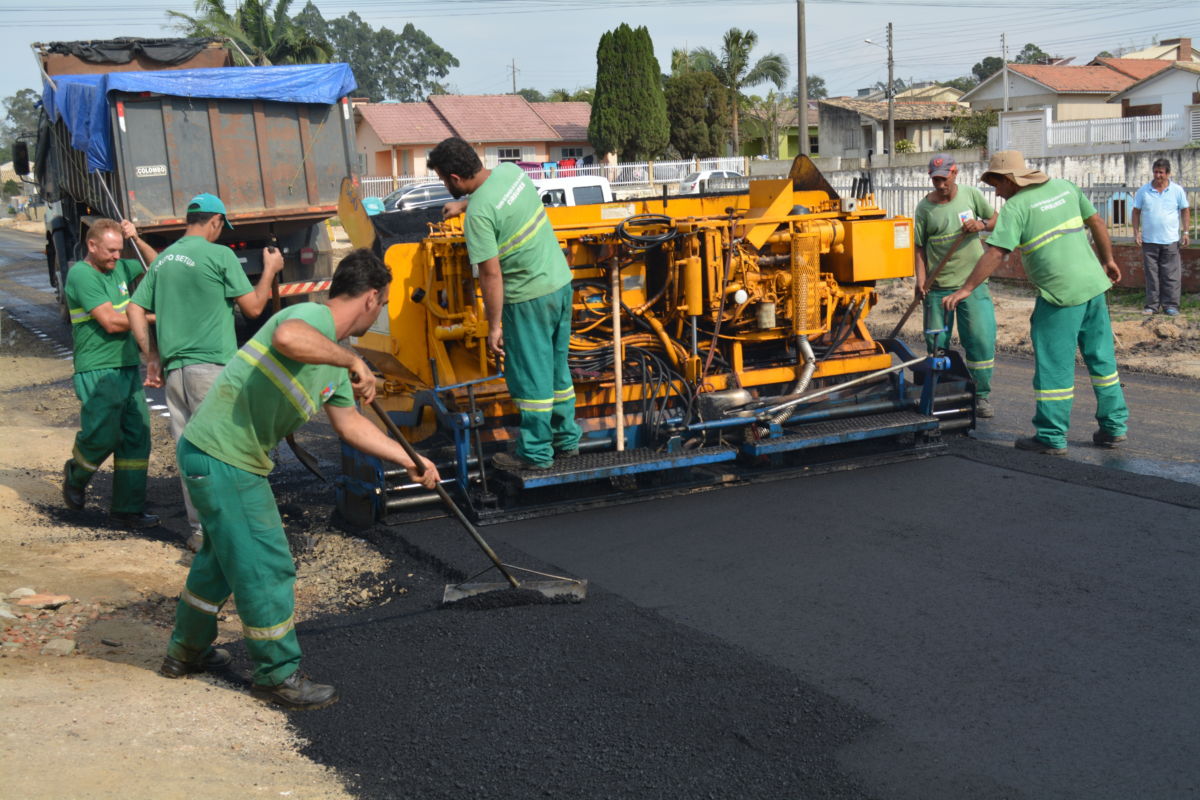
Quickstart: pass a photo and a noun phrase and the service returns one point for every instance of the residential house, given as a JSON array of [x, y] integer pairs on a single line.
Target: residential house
[[1070, 92], [855, 128], [395, 138], [1178, 49], [756, 128], [1173, 90], [919, 92]]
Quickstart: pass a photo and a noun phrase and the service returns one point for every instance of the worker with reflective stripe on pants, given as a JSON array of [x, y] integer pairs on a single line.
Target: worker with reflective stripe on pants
[[291, 369], [537, 334], [1047, 221], [112, 414], [526, 286]]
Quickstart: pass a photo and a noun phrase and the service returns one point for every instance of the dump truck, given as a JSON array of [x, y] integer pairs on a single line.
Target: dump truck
[[135, 128], [716, 338]]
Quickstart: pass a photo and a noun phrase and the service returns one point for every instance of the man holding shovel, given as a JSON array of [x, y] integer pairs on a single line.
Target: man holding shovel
[[278, 380], [948, 222]]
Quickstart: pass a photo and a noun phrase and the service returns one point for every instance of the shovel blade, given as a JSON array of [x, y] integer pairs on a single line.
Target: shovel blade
[[571, 590]]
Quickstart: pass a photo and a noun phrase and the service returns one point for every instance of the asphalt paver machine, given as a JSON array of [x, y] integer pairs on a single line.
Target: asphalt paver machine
[[716, 338]]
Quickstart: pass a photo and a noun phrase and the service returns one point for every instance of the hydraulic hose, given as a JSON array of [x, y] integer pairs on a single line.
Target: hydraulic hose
[[810, 366]]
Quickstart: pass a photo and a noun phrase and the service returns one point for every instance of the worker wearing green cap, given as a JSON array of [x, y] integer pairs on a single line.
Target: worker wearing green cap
[[192, 288]]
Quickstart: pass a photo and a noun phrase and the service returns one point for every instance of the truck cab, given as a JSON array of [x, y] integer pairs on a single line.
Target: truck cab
[[576, 191]]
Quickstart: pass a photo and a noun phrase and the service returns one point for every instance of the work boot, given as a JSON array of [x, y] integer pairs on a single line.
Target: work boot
[[572, 453], [983, 408], [217, 658], [1103, 438], [133, 519], [1148, 310], [297, 693], [514, 463], [73, 497], [1036, 445]]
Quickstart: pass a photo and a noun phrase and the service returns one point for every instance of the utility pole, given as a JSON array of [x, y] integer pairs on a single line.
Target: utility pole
[[514, 75], [1004, 68], [802, 86], [891, 96]]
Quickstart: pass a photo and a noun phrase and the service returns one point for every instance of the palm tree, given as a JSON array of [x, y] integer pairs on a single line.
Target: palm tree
[[261, 35], [734, 70]]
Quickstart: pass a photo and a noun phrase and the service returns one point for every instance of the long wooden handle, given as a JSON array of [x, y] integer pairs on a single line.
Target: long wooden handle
[[929, 279], [446, 498]]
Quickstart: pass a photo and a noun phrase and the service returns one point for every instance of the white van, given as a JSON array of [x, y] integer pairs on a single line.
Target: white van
[[576, 191]]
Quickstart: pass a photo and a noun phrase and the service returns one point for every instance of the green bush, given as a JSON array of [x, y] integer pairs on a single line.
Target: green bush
[[905, 146]]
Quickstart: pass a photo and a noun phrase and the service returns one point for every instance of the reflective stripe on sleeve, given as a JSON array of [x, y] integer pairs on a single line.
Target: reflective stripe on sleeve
[[259, 356]]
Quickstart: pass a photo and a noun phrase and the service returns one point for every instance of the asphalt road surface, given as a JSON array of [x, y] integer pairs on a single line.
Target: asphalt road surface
[[984, 624]]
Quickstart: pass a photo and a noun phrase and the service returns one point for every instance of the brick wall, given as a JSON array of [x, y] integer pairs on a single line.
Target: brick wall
[[1129, 259]]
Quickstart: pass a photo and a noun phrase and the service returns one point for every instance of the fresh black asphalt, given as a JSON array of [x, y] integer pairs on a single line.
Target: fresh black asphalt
[[985, 624]]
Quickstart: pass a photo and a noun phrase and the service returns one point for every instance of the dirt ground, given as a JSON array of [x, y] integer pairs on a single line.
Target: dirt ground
[[100, 721], [1155, 344]]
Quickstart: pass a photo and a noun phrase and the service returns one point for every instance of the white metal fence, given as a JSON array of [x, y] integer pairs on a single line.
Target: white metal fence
[[643, 173], [1113, 203], [1035, 135]]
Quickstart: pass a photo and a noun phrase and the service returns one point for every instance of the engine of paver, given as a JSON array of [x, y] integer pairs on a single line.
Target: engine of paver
[[738, 316]]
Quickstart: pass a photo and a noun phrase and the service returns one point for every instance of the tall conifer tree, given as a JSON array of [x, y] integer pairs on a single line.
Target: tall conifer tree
[[629, 112]]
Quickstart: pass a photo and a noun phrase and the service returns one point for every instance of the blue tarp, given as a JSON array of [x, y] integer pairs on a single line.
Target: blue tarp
[[81, 101]]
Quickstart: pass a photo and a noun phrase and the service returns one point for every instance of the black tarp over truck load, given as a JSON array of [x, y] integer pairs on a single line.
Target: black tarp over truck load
[[272, 142]]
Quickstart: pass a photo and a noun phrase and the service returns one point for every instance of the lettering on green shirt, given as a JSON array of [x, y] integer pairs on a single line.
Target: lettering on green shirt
[[506, 219], [263, 396], [1045, 223], [191, 288], [88, 288], [937, 225]]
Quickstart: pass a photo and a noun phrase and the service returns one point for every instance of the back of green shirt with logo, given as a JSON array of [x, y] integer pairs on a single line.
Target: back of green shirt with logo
[[1045, 223], [191, 287], [506, 218], [262, 395], [938, 225], [87, 288]]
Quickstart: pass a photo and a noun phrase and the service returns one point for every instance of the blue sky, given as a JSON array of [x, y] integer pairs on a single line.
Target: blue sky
[[553, 42]]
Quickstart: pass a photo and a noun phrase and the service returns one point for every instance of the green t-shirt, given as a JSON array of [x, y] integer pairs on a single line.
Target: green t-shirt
[[87, 288], [938, 225], [1045, 223], [262, 395], [191, 288], [506, 218]]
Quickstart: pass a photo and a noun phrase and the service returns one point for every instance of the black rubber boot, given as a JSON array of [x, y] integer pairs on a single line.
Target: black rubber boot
[[174, 668], [297, 693]]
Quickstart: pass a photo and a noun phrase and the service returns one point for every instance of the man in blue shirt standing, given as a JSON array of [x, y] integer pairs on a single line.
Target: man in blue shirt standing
[[1160, 225]]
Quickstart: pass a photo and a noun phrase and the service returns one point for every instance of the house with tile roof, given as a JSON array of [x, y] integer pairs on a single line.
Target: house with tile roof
[[1174, 90], [1070, 92], [854, 128], [395, 138]]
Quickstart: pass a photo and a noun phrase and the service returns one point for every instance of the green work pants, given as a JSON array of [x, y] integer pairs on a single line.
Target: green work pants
[[245, 553], [113, 419], [976, 330], [537, 336], [1056, 332]]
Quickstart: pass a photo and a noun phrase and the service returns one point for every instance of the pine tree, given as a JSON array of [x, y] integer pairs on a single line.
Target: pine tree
[[629, 112]]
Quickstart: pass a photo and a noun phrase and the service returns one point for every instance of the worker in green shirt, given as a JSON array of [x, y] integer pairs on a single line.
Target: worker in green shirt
[[1047, 221], [112, 415], [947, 223], [527, 296], [192, 288], [278, 380]]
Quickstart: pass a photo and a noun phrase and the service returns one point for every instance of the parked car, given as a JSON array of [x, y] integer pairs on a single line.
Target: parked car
[[575, 191], [421, 195], [697, 182]]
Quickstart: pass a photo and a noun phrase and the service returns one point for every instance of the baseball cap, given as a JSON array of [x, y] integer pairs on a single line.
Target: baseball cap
[[209, 204], [939, 165]]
